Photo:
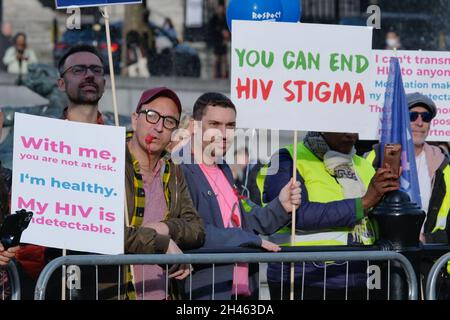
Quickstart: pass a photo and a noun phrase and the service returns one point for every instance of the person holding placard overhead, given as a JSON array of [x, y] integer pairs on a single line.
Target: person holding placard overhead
[[338, 189], [231, 221]]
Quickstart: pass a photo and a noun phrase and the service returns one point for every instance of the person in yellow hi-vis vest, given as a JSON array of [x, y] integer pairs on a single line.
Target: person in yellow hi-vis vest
[[433, 172], [338, 189]]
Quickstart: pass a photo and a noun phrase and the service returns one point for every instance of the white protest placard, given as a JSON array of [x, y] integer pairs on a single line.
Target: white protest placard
[[71, 175], [62, 4], [298, 76], [427, 72]]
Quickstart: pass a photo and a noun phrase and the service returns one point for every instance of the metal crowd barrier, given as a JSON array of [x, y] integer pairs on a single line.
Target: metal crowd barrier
[[226, 258], [9, 282], [434, 275]]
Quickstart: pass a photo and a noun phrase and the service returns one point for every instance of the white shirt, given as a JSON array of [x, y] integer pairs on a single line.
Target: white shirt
[[13, 65], [424, 181]]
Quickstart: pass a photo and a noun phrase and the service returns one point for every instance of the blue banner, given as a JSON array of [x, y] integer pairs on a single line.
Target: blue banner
[[61, 4], [396, 128]]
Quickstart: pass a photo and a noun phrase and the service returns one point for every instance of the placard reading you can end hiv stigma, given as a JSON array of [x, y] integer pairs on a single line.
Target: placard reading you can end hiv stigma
[[299, 76], [71, 175]]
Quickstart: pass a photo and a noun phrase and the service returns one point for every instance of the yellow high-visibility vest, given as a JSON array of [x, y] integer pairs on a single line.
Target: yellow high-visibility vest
[[323, 188]]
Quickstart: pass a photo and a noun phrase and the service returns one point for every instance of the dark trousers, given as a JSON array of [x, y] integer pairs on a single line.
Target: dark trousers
[[317, 293]]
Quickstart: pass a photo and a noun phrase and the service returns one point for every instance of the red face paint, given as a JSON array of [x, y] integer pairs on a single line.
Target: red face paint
[[149, 139]]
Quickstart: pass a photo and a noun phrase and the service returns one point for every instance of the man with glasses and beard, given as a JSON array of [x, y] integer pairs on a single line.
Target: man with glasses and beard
[[82, 79]]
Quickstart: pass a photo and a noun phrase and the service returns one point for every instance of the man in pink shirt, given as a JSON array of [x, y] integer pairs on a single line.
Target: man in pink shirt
[[230, 221]]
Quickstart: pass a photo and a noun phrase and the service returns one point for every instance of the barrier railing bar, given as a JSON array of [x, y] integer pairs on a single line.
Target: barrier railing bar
[[227, 258], [433, 276], [14, 281]]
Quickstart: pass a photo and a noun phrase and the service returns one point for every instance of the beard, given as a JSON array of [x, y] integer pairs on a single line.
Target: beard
[[85, 98]]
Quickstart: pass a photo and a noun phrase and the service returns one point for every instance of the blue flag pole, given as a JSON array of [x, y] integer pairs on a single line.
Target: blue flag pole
[[396, 128]]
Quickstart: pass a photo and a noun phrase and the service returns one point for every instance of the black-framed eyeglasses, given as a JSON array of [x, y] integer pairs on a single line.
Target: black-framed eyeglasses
[[81, 70], [153, 117], [426, 116]]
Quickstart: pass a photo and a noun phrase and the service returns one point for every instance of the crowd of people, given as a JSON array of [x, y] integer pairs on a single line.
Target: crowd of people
[[150, 50], [191, 200], [162, 216]]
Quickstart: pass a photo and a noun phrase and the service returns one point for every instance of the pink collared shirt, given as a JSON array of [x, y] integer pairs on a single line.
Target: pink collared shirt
[[152, 278], [231, 217]]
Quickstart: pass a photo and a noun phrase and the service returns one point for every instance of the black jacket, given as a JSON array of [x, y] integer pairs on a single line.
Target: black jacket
[[5, 191], [438, 193]]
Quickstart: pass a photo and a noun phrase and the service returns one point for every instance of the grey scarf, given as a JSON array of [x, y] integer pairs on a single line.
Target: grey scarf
[[339, 165]]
